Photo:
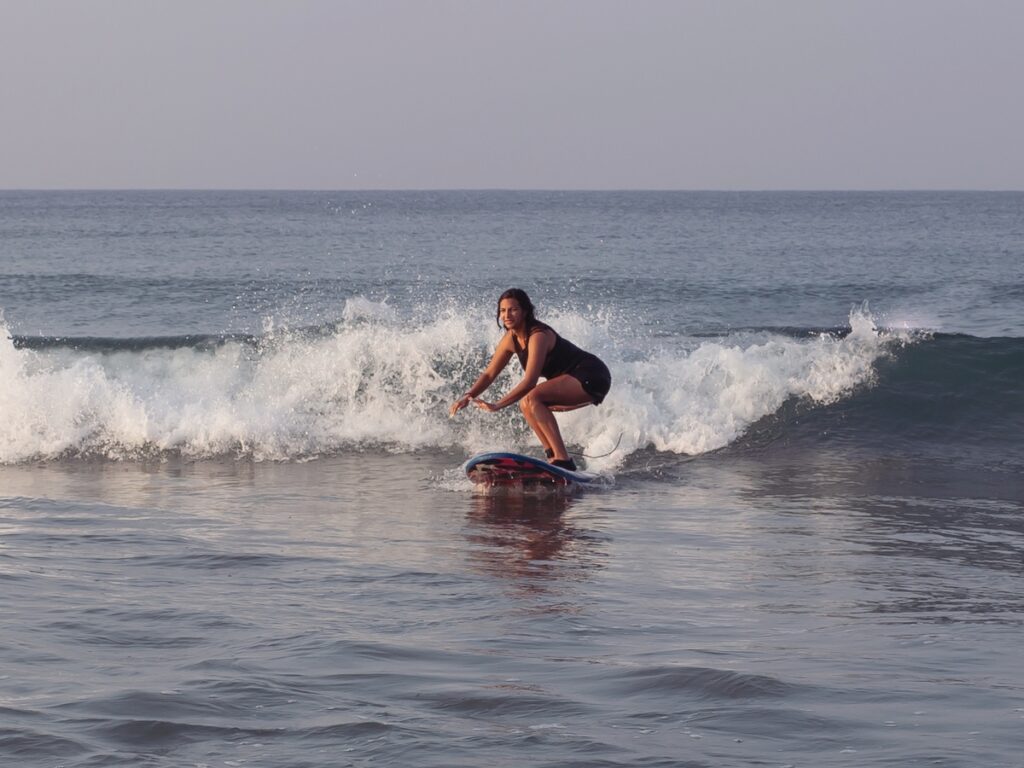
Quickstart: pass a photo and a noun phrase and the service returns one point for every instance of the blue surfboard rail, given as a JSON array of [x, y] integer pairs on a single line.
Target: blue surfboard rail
[[507, 469]]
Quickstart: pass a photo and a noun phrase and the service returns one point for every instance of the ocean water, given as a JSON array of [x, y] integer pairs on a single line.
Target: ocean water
[[233, 528]]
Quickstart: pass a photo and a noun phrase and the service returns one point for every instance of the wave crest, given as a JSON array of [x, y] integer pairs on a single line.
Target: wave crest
[[375, 379]]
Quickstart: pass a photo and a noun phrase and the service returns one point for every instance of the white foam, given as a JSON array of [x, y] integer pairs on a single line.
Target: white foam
[[704, 400], [386, 381]]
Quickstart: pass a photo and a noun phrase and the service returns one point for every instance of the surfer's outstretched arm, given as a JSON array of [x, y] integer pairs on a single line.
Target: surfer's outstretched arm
[[498, 362], [540, 344]]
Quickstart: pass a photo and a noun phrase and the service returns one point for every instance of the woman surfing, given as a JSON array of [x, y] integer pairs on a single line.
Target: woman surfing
[[574, 378]]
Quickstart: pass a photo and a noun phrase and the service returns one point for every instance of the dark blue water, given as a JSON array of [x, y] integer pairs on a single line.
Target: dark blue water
[[233, 529], [88, 263]]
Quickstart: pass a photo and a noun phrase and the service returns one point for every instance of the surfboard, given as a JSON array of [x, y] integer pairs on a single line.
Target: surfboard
[[514, 471]]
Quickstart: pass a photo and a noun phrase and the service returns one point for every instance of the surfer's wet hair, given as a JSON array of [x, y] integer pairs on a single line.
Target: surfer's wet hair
[[524, 304]]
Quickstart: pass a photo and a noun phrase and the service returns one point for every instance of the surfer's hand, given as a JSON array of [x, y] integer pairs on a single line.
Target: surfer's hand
[[458, 405], [485, 406]]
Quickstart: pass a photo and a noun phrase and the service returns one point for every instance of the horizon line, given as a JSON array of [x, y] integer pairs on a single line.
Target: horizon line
[[719, 190]]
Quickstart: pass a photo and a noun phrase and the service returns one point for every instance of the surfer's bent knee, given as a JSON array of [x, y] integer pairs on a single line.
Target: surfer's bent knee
[[529, 401]]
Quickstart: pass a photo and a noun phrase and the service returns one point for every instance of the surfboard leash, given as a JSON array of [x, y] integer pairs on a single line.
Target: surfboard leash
[[585, 456]]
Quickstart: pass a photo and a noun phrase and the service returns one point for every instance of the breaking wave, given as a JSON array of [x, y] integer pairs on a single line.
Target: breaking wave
[[377, 380]]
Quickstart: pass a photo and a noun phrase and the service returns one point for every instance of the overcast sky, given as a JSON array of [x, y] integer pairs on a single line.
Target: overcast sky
[[523, 94]]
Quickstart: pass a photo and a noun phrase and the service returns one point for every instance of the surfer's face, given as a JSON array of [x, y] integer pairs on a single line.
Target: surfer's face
[[510, 312]]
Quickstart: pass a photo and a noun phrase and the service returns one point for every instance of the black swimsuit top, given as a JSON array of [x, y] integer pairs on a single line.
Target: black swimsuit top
[[562, 358]]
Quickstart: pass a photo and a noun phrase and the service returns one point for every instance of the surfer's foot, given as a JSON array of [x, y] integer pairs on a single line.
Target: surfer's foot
[[565, 464], [549, 453]]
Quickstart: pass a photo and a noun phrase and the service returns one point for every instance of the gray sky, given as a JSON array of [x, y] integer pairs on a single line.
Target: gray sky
[[527, 94]]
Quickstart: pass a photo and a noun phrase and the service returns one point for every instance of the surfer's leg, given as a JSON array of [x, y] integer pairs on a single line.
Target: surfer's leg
[[527, 410], [564, 391], [564, 408]]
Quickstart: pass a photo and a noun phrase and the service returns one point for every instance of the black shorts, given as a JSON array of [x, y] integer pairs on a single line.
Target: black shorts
[[594, 376]]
